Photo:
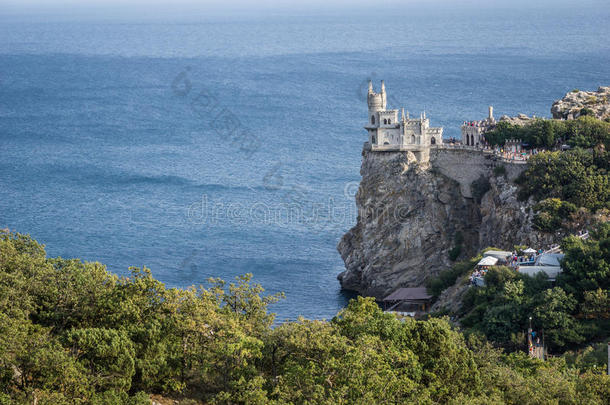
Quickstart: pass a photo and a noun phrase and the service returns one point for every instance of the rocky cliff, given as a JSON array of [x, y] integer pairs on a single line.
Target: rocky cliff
[[574, 103], [411, 215]]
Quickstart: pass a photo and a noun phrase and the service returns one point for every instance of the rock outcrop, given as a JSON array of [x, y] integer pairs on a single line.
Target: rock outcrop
[[574, 103], [519, 119], [410, 216]]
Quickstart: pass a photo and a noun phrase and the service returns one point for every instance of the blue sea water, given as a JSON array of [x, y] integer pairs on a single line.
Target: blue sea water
[[180, 145]]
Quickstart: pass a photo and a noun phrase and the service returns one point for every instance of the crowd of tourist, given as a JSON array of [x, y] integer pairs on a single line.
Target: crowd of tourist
[[526, 257]]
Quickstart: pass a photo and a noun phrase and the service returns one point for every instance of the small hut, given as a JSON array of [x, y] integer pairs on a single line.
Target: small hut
[[408, 299]]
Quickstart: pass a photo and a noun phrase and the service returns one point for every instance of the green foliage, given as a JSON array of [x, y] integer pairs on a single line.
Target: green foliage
[[577, 309], [586, 265], [593, 357], [456, 250], [577, 177], [447, 278], [586, 132], [591, 100], [107, 354], [554, 311], [500, 170], [551, 213], [70, 333]]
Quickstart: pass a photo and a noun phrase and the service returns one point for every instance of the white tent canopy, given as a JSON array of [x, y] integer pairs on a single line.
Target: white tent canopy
[[487, 261], [529, 251]]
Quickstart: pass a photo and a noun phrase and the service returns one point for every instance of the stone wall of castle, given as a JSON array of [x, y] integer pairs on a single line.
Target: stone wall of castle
[[468, 165]]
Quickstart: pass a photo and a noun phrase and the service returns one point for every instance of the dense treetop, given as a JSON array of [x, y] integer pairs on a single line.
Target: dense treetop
[[72, 333], [584, 132]]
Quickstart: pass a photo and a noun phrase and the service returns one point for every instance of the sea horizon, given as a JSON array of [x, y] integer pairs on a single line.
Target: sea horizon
[[176, 145]]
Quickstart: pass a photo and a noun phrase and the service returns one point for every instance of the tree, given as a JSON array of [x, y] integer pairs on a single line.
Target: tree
[[106, 354], [554, 315], [586, 265]]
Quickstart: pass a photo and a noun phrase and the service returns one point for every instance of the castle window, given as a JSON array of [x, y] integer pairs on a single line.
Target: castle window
[[433, 141], [385, 122], [389, 121], [372, 119], [373, 139], [412, 138]]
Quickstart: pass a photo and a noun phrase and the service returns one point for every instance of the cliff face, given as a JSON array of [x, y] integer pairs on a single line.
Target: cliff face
[[410, 214], [571, 105]]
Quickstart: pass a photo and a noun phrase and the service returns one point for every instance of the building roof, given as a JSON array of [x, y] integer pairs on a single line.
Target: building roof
[[549, 259], [488, 261], [499, 254], [409, 294]]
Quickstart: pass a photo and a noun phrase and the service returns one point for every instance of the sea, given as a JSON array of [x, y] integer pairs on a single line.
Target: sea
[[215, 147]]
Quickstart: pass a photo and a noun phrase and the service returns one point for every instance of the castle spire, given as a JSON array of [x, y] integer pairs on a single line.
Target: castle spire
[[382, 87], [370, 86], [403, 114]]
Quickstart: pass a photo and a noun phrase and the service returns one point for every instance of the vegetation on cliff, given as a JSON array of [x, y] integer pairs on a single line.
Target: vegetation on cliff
[[72, 333], [574, 310], [570, 185], [584, 132]]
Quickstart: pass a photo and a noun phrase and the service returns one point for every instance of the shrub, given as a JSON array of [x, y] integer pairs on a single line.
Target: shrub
[[577, 176], [448, 277], [500, 170], [591, 100], [552, 212], [454, 252]]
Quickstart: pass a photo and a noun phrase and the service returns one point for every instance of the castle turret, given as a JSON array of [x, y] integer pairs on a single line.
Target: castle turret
[[491, 113], [376, 101]]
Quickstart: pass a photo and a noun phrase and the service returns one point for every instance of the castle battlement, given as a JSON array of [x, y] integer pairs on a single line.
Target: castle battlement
[[389, 133]]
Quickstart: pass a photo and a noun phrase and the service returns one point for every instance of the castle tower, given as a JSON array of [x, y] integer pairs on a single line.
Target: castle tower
[[491, 113], [376, 101]]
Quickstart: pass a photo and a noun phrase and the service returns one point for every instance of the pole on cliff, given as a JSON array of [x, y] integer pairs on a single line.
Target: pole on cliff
[[530, 346], [608, 358]]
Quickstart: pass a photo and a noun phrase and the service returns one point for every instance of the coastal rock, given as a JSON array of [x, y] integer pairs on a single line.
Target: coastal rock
[[519, 119], [572, 105], [410, 215]]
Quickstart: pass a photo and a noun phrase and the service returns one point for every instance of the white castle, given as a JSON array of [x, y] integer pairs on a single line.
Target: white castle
[[388, 133]]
